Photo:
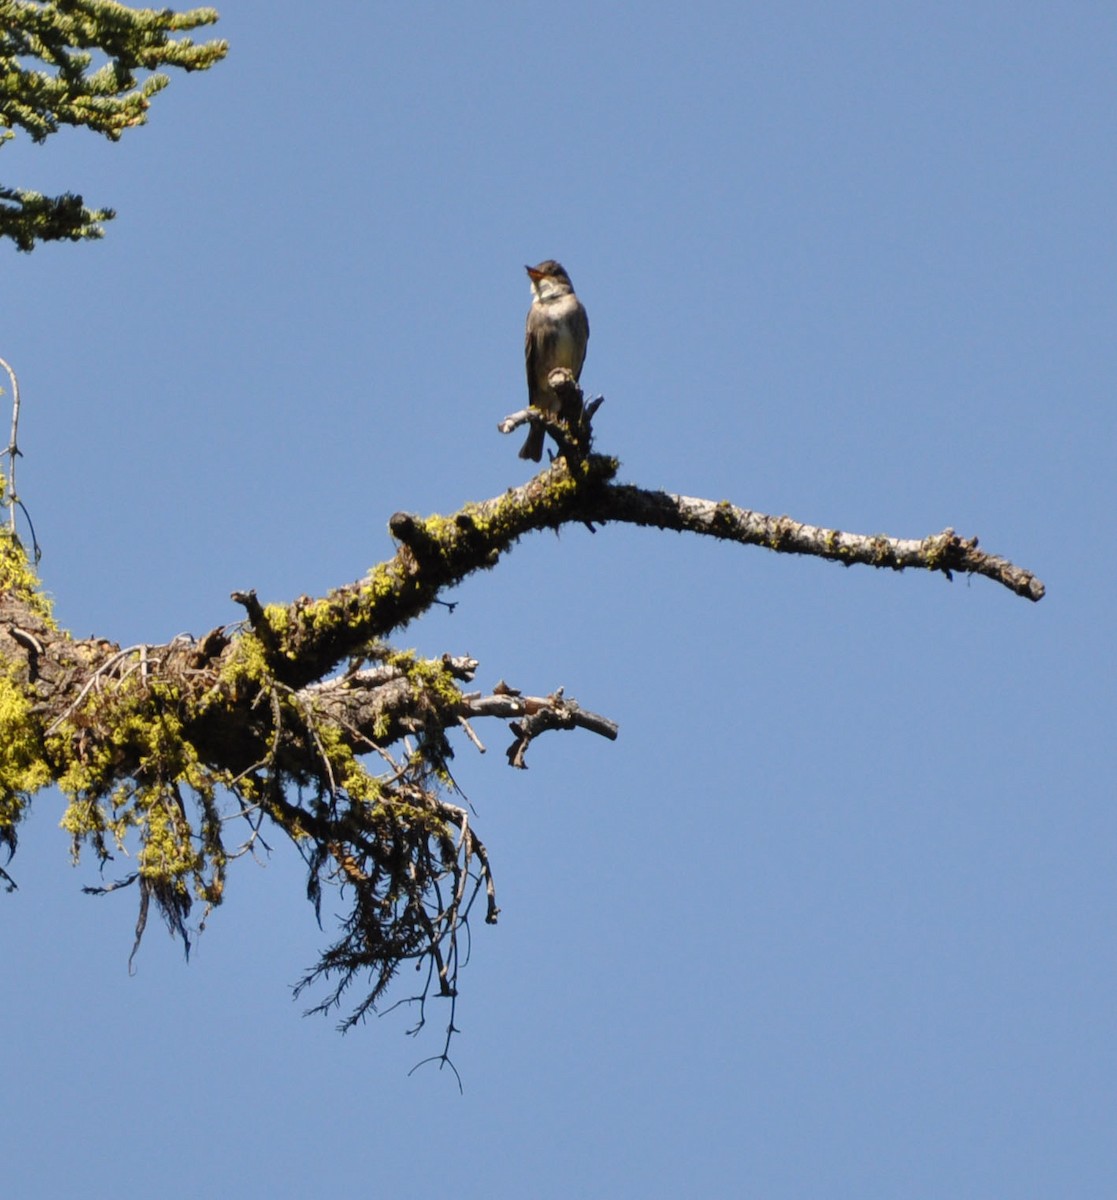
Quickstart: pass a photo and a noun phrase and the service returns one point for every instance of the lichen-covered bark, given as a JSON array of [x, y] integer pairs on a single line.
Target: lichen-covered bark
[[185, 754]]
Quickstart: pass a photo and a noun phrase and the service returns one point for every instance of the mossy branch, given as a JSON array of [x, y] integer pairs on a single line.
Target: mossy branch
[[312, 635], [184, 755]]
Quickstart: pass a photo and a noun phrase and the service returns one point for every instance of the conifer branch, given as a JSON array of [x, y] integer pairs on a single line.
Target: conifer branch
[[78, 63]]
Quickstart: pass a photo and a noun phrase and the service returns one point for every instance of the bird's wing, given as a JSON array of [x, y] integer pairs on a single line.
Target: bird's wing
[[529, 360], [582, 325], [534, 348]]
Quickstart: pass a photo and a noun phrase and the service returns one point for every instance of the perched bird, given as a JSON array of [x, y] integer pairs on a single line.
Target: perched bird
[[557, 332]]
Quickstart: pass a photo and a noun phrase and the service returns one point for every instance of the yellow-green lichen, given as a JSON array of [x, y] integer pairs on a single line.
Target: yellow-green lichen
[[439, 528], [133, 729], [276, 618], [322, 615], [18, 576], [23, 770], [430, 676], [383, 580], [346, 769], [246, 662], [168, 854]]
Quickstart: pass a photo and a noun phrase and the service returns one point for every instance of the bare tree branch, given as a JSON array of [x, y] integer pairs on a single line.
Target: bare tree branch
[[943, 552]]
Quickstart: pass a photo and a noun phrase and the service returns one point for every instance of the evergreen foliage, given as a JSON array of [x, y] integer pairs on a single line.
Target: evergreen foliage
[[87, 63]]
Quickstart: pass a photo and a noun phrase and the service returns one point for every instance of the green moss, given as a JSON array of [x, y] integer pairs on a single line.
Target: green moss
[[246, 662], [18, 576], [145, 733], [383, 580], [323, 615], [345, 767], [23, 769], [168, 855], [86, 820], [276, 617], [440, 529], [429, 676], [179, 854]]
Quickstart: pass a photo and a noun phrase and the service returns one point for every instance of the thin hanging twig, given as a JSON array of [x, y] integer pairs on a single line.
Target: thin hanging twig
[[13, 448]]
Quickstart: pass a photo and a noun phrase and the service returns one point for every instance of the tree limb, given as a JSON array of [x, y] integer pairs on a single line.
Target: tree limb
[[162, 750], [943, 552], [313, 635]]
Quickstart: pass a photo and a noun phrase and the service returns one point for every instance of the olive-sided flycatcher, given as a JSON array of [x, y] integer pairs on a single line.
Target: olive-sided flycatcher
[[557, 332]]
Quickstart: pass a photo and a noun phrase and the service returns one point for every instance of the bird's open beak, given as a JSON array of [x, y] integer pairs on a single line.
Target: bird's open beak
[[535, 275]]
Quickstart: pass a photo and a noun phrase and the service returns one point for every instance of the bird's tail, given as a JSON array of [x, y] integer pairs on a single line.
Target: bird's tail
[[533, 447]]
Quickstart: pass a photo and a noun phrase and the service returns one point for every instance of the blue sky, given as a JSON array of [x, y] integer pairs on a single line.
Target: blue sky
[[835, 914]]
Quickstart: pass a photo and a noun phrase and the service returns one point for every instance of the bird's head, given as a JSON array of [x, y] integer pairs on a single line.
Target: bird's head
[[549, 279]]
